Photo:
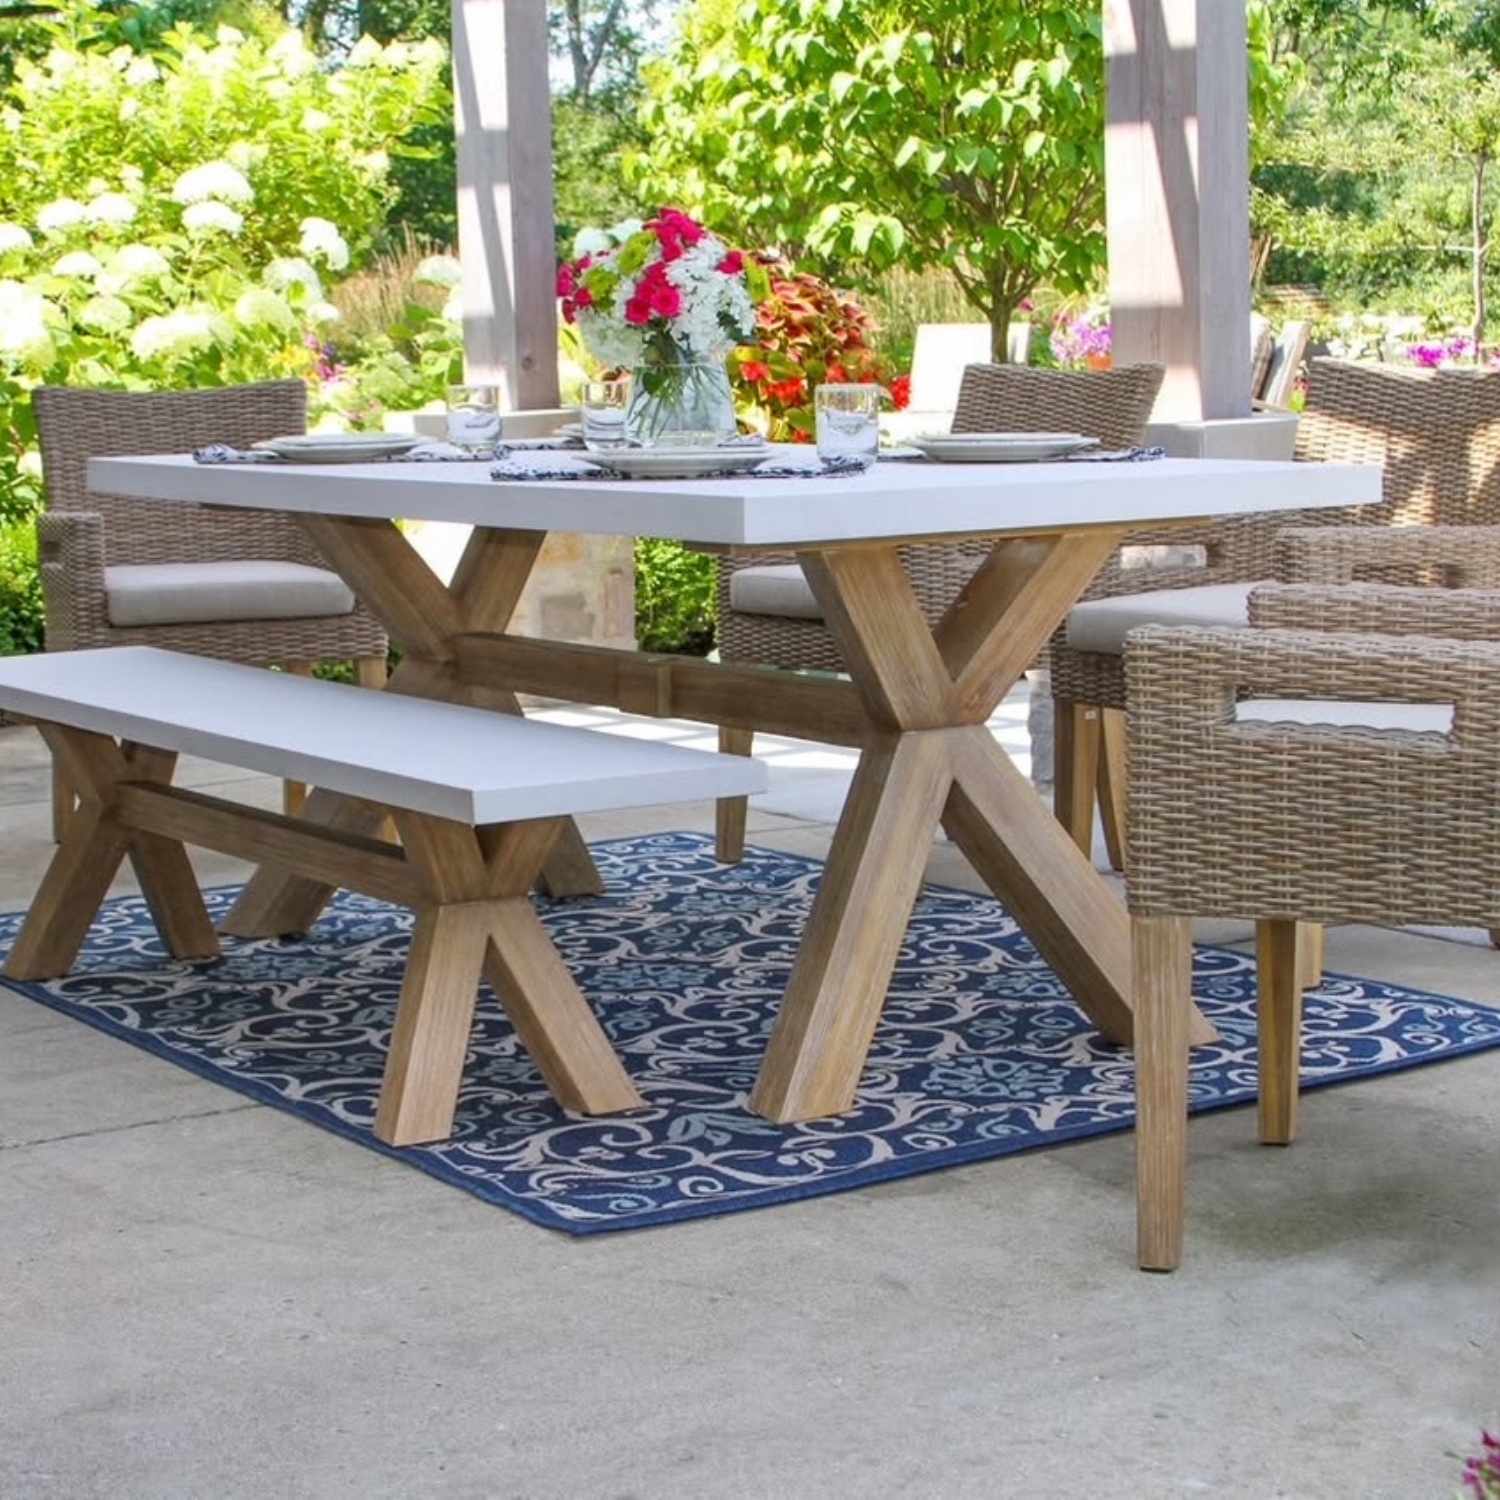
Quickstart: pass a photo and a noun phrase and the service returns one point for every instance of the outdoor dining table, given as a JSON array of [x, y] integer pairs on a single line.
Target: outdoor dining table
[[915, 702]]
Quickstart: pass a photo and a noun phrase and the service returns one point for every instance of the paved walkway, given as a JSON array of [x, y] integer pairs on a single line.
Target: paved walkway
[[207, 1300]]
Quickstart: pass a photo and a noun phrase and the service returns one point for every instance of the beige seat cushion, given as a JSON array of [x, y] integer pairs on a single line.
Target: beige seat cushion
[[1421, 718], [191, 593], [773, 589], [1100, 625]]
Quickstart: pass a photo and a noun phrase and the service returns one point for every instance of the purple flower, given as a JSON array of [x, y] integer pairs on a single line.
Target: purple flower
[[1080, 339], [1482, 1472], [1435, 356]]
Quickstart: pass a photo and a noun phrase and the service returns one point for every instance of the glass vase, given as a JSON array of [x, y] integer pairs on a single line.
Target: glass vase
[[687, 405]]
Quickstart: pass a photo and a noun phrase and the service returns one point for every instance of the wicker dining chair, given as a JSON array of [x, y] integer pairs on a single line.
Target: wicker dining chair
[[1337, 762], [767, 613], [1436, 433], [245, 585]]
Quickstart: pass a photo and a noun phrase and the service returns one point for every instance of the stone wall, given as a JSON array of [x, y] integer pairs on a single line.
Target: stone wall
[[582, 588]]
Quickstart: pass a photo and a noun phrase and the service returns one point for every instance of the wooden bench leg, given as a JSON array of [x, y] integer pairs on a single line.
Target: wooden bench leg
[[1162, 966], [433, 1019], [1280, 968], [480, 919], [730, 812], [86, 861], [551, 1016]]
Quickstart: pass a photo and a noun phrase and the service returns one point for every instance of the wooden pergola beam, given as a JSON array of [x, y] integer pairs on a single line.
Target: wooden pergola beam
[[1177, 176], [503, 117]]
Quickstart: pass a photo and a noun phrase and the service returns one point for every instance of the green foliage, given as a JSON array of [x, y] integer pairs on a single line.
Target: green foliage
[[20, 590], [966, 134], [675, 600], [1369, 186], [589, 140], [180, 219]]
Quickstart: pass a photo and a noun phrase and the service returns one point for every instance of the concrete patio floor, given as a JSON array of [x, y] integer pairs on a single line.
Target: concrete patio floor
[[206, 1299]]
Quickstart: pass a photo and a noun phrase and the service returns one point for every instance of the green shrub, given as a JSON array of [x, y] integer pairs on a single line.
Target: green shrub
[[182, 218], [20, 590], [675, 601]]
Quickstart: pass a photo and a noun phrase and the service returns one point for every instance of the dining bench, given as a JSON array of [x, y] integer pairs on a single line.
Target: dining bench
[[477, 798]]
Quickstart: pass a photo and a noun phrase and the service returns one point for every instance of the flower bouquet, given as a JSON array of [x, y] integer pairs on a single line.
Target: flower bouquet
[[666, 300]]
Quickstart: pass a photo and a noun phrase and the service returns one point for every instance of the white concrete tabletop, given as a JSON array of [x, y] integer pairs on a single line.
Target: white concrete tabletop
[[891, 499]]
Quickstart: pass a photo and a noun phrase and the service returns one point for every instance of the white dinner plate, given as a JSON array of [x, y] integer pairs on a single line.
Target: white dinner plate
[[999, 447], [339, 447], [677, 463]]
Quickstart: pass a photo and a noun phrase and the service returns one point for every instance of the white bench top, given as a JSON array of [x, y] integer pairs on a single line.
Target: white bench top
[[467, 764]]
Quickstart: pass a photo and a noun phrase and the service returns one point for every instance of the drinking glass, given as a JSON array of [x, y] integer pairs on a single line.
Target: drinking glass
[[605, 404], [474, 416], [848, 421]]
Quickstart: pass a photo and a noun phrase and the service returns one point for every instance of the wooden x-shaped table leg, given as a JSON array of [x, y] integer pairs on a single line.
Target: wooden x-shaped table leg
[[930, 760], [424, 617]]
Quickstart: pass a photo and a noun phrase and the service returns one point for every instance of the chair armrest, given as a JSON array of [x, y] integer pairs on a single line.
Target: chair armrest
[[1376, 608], [1459, 556], [70, 562], [1308, 820], [1195, 674]]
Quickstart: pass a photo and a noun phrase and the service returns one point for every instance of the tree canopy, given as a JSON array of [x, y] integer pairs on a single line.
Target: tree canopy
[[963, 134]]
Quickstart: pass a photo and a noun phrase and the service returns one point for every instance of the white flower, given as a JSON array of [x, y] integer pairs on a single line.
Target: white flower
[[364, 52], [215, 179], [105, 314], [376, 163], [184, 332], [210, 217], [259, 307], [438, 270], [23, 324], [592, 242], [14, 237], [291, 270], [78, 263], [321, 240], [132, 263], [140, 71], [110, 208], [323, 312], [712, 309], [289, 53], [246, 155], [314, 120], [61, 213]]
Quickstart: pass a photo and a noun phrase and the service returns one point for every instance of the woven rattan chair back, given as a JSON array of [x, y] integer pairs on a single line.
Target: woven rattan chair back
[[1113, 405], [81, 533], [75, 425], [1436, 435]]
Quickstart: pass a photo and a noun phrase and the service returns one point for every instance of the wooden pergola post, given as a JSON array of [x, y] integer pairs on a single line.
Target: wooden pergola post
[[1177, 174], [503, 118]]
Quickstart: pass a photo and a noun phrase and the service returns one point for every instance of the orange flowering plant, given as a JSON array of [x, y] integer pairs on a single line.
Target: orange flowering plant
[[806, 333]]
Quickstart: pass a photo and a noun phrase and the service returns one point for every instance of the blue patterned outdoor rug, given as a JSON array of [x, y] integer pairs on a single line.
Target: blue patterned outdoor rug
[[981, 1052]]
